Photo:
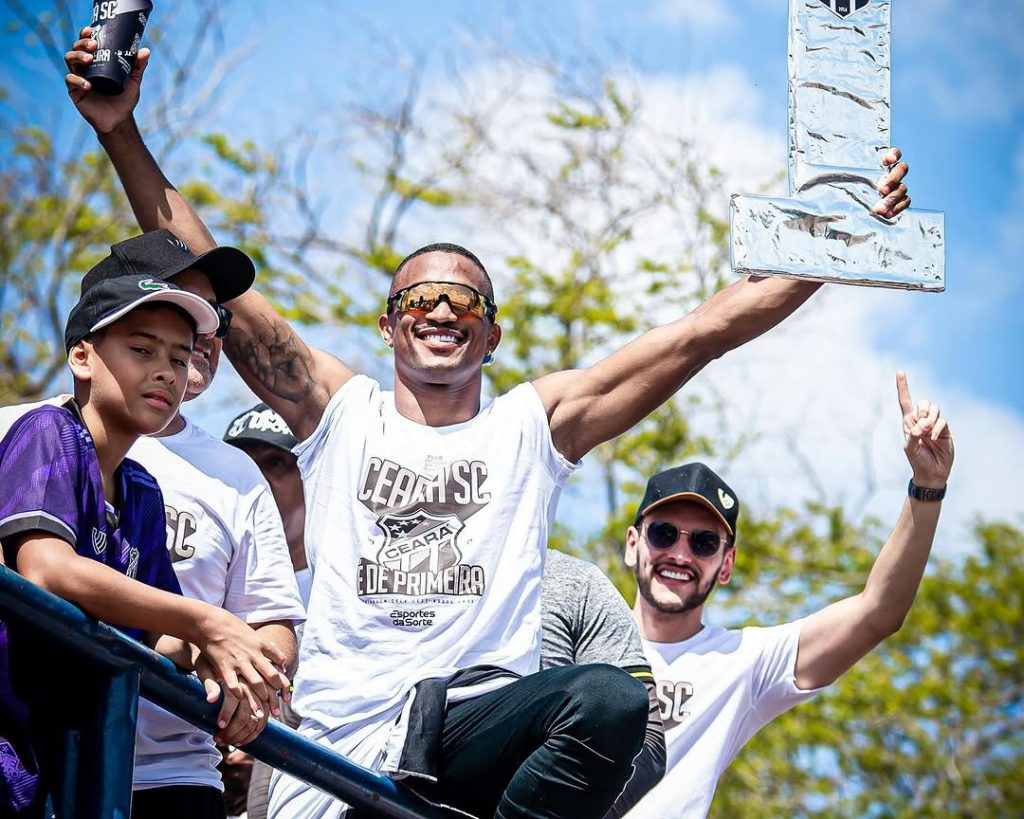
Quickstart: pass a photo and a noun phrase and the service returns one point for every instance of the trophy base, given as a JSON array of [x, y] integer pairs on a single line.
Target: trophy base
[[836, 238]]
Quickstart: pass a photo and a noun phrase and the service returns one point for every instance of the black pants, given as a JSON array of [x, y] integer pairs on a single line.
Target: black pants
[[178, 802], [555, 744]]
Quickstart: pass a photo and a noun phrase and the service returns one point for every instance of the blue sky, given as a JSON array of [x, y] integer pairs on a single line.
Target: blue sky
[[958, 114]]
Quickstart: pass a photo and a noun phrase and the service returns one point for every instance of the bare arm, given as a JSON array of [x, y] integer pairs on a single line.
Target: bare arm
[[293, 378], [590, 406], [835, 638], [238, 654]]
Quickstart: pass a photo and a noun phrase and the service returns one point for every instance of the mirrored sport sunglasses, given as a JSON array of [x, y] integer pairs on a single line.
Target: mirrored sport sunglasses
[[224, 319], [425, 296], [663, 535]]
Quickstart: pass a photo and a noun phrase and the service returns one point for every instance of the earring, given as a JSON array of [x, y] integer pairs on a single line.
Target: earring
[[489, 358]]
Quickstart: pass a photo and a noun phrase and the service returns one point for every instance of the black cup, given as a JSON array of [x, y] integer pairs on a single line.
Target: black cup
[[117, 27]]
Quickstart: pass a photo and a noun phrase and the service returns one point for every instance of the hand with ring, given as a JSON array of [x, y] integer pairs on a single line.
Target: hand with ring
[[241, 725]]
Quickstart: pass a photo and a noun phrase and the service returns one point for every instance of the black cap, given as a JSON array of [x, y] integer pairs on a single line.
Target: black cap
[[263, 426], [692, 482], [160, 254], [111, 299]]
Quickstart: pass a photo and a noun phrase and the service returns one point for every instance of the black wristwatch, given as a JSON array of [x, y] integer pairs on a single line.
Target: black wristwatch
[[922, 494]]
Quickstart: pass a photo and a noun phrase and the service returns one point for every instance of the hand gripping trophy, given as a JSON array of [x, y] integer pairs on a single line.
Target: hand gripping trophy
[[839, 116]]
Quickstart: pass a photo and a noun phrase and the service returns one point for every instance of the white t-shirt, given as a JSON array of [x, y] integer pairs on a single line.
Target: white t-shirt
[[427, 547], [227, 546], [717, 690]]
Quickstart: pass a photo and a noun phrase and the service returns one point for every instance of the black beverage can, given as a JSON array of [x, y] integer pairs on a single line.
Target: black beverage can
[[117, 27]]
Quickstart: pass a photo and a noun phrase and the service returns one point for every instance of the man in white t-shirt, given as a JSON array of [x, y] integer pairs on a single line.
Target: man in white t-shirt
[[718, 687], [428, 513], [224, 537]]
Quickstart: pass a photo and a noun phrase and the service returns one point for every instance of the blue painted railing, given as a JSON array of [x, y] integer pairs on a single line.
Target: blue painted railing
[[128, 667]]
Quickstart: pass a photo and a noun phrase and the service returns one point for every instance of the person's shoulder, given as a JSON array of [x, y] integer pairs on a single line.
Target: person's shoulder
[[56, 426], [767, 634], [138, 477], [562, 567], [199, 451]]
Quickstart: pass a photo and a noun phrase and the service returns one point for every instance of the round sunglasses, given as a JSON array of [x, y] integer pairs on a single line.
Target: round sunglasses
[[660, 534]]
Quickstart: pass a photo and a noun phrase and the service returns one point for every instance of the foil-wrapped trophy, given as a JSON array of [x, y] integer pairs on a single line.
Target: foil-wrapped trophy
[[839, 116]]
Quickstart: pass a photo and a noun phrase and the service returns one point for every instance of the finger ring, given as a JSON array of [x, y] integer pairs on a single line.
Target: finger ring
[[254, 718]]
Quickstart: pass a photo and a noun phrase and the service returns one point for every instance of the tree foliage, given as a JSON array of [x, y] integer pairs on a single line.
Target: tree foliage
[[62, 206]]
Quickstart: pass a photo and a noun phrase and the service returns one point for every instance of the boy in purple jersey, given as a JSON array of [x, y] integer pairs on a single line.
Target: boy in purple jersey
[[81, 521]]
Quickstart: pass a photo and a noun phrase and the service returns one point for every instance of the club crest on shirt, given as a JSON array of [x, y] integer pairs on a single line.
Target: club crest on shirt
[[99, 541], [422, 517], [672, 696], [181, 526], [133, 563]]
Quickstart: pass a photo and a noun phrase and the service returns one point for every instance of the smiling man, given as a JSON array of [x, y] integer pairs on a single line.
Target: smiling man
[[718, 687], [429, 510]]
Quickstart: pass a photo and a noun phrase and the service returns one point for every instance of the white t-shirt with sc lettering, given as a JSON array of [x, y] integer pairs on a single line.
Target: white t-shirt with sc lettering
[[717, 690], [227, 547]]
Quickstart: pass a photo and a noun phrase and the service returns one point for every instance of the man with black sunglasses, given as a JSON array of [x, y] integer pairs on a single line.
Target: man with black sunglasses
[[429, 510], [717, 686], [224, 533]]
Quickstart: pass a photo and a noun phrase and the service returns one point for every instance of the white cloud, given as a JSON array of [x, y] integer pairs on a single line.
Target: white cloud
[[703, 14]]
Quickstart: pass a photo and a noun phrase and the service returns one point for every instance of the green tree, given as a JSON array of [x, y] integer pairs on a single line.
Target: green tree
[[930, 724], [61, 205]]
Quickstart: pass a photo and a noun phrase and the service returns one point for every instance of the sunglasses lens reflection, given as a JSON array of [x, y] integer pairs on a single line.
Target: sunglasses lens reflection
[[662, 534], [426, 296], [704, 542]]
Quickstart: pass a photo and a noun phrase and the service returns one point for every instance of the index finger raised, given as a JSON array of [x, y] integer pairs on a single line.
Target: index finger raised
[[903, 393]]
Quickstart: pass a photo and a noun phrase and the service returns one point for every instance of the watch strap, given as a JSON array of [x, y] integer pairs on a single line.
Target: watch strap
[[924, 494]]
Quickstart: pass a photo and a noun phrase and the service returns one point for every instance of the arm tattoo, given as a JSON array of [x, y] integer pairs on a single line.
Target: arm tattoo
[[273, 355]]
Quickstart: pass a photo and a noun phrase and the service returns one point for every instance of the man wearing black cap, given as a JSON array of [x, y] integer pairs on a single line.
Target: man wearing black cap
[[717, 686], [224, 534], [263, 435]]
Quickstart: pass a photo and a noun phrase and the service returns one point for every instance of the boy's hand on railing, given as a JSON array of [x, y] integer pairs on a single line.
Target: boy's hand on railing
[[245, 665]]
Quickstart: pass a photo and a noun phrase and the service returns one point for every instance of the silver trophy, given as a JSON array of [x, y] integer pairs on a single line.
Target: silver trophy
[[839, 114]]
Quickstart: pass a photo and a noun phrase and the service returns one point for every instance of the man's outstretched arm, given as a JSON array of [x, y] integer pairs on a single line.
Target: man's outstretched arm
[[293, 378], [590, 406], [836, 637]]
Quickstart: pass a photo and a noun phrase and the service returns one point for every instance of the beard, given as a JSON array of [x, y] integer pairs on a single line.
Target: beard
[[694, 600]]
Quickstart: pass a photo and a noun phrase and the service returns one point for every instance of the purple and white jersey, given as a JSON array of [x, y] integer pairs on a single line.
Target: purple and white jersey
[[51, 483]]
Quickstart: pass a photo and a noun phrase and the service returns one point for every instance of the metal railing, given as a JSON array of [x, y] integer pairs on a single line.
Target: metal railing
[[128, 668]]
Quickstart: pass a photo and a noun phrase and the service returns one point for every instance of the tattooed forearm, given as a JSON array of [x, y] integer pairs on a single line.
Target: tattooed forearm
[[270, 353]]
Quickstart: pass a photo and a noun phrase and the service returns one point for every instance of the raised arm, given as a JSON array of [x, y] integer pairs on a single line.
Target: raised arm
[[295, 379], [590, 406], [836, 637]]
